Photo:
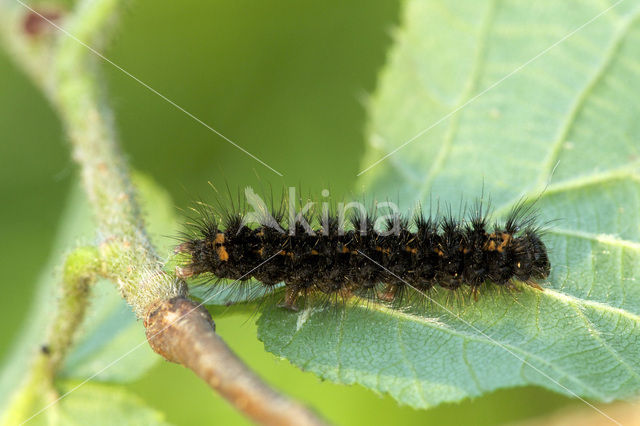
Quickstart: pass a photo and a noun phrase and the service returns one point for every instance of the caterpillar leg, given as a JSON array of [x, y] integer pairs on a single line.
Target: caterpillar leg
[[290, 296], [475, 290], [388, 293], [511, 286], [344, 294], [534, 284], [184, 272]]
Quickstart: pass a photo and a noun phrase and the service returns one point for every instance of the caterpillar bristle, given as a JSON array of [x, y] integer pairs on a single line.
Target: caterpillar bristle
[[321, 254]]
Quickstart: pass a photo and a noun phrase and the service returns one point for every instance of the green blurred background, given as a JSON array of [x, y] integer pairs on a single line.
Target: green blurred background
[[288, 81]]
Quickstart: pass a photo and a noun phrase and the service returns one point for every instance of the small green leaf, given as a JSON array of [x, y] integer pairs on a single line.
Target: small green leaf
[[99, 404], [495, 96], [72, 232], [103, 348], [113, 346]]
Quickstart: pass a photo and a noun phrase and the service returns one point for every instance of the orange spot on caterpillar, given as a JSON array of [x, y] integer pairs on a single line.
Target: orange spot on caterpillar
[[222, 253], [383, 250], [447, 252], [506, 239], [286, 253]]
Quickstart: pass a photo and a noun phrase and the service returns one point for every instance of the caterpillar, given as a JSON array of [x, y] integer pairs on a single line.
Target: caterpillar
[[364, 254]]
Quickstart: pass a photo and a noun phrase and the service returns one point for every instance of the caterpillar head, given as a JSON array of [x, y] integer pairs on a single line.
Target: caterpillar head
[[531, 259]]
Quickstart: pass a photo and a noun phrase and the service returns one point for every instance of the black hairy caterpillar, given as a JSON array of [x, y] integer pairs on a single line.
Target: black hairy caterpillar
[[366, 260]]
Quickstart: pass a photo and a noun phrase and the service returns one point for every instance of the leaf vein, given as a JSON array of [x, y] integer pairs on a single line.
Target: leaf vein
[[599, 73], [470, 87]]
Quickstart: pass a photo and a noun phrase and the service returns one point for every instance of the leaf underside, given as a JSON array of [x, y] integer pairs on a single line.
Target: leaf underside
[[506, 98]]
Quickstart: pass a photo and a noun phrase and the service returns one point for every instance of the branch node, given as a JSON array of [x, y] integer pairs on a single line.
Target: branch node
[[183, 332], [165, 319]]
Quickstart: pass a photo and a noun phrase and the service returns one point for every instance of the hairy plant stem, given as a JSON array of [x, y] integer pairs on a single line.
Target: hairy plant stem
[[66, 70], [131, 260], [81, 269]]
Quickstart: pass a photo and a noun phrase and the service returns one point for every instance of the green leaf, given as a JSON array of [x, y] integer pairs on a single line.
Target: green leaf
[[14, 367], [493, 96], [111, 345], [99, 404]]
